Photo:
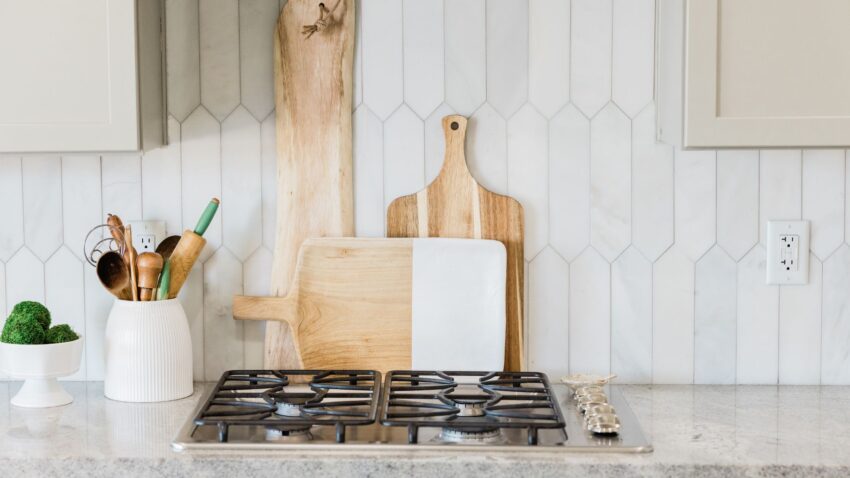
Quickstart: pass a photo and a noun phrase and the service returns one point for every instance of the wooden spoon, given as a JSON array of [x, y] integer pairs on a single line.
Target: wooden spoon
[[166, 247], [114, 275], [149, 265]]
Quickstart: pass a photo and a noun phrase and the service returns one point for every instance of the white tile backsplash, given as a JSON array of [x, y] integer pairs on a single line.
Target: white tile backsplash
[[641, 258]]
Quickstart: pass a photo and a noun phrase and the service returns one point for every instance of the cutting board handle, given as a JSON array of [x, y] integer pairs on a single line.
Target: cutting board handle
[[454, 165], [281, 309]]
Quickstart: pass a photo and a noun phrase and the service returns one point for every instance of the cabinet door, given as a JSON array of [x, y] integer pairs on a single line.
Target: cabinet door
[[68, 77], [768, 73]]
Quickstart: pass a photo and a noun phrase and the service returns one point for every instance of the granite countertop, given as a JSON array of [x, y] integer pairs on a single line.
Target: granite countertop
[[696, 430]]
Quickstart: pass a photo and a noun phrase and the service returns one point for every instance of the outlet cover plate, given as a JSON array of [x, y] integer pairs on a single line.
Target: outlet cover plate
[[147, 235], [787, 252]]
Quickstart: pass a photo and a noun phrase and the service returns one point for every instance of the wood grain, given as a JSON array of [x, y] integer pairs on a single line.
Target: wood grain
[[313, 88], [455, 205], [349, 305], [182, 259]]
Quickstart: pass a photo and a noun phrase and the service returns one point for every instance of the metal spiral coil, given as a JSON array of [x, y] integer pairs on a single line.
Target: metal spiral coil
[[102, 244]]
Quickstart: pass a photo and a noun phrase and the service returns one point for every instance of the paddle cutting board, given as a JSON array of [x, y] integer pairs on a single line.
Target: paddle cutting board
[[313, 87], [393, 304], [455, 205]]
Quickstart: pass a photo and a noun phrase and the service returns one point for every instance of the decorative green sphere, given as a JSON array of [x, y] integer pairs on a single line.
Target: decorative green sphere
[[61, 333], [35, 310], [20, 329]]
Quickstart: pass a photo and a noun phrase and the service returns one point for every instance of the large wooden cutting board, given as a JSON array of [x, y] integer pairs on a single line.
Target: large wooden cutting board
[[390, 304], [313, 87], [455, 205]]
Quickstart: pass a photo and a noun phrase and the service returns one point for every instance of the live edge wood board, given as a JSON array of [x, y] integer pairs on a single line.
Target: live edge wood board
[[313, 88], [455, 205]]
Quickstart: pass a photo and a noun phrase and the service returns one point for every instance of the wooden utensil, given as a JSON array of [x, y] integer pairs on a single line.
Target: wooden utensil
[[389, 304], [313, 88], [455, 205], [130, 257], [166, 247], [116, 228], [149, 265], [164, 282], [188, 249], [114, 275]]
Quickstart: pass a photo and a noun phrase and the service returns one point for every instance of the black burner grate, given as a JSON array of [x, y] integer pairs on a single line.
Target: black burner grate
[[337, 398], [474, 402]]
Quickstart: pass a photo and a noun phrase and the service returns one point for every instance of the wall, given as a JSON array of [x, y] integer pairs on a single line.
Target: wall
[[642, 258]]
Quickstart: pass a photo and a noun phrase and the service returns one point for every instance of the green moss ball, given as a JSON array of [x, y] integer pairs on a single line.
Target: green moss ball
[[20, 329], [32, 309], [60, 333]]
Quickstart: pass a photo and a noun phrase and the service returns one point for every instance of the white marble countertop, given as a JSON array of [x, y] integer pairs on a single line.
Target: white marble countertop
[[696, 430]]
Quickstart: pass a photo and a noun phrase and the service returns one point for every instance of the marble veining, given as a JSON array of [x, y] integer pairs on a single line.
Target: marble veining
[[695, 430]]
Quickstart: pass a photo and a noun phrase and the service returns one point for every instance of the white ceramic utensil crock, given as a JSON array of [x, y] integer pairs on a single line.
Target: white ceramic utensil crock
[[40, 365], [148, 352]]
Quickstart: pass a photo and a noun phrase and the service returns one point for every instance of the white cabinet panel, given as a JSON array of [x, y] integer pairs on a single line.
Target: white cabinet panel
[[740, 92], [77, 83]]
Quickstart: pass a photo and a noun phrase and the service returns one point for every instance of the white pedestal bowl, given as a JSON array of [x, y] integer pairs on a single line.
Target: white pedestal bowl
[[40, 366]]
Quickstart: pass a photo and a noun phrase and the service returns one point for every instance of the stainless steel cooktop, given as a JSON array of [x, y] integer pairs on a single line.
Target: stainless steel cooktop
[[406, 410]]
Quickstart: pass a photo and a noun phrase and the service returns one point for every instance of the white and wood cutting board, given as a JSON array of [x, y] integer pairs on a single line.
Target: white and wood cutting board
[[393, 304]]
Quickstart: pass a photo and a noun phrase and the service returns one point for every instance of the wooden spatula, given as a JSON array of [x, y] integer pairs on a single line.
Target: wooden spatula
[[455, 205]]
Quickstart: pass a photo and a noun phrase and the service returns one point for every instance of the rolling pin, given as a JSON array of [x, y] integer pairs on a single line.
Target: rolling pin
[[188, 249], [149, 264]]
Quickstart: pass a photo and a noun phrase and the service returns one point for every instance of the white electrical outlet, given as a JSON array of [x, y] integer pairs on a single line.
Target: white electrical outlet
[[787, 252], [147, 235]]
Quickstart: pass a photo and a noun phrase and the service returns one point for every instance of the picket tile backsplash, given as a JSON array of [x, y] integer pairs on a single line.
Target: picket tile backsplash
[[642, 259]]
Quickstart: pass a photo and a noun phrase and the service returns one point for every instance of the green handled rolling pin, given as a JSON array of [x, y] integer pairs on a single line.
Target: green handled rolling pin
[[188, 249]]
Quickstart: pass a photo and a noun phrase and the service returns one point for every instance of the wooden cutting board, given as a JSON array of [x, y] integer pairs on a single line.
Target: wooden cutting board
[[455, 205], [393, 304], [313, 88]]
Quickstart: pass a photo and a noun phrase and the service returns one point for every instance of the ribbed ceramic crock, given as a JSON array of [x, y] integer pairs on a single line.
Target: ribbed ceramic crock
[[148, 352]]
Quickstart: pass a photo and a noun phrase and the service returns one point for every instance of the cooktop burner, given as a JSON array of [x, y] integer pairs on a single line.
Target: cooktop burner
[[290, 402], [434, 410], [471, 407]]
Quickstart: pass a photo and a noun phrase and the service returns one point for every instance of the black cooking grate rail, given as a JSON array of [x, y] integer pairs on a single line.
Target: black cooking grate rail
[[415, 399], [339, 398]]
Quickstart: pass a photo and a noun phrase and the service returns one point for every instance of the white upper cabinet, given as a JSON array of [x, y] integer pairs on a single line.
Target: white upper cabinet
[[767, 73], [81, 75]]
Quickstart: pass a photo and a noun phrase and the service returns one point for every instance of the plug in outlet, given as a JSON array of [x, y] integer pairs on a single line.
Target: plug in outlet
[[788, 252], [147, 235]]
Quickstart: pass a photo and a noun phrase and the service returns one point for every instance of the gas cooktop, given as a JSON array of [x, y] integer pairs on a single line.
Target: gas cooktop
[[412, 409]]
